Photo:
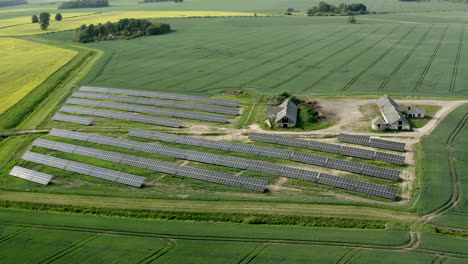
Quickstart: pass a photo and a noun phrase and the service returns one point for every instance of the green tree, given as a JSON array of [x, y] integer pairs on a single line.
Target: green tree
[[34, 19], [58, 17], [44, 20]]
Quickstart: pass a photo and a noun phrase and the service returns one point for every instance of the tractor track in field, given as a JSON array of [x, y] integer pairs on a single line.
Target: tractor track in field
[[333, 71], [241, 46], [453, 80], [253, 254], [347, 256], [265, 62], [170, 244], [370, 66], [409, 245], [13, 235], [241, 61], [453, 173], [429, 63], [75, 246], [403, 62], [295, 76], [295, 60], [103, 67]]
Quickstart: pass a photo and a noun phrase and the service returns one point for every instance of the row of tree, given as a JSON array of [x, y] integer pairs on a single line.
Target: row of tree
[[44, 19], [84, 4], [324, 8], [124, 29], [4, 3]]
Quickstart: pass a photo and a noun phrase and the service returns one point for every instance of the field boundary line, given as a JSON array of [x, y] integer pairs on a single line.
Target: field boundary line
[[291, 62], [14, 234], [293, 77], [333, 71], [453, 80], [370, 66], [403, 61], [429, 63], [79, 244], [170, 244], [253, 254]]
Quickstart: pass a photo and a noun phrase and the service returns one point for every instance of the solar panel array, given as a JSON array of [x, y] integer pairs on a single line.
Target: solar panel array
[[73, 119], [194, 173], [156, 102], [372, 142], [308, 158], [123, 116], [150, 110], [239, 163], [31, 175], [82, 168], [327, 147], [177, 97]]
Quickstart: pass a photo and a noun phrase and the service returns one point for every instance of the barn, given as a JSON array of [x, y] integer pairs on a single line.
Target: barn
[[392, 117], [285, 115]]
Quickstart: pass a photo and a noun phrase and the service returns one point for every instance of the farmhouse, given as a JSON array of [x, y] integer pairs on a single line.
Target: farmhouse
[[392, 117], [285, 115]]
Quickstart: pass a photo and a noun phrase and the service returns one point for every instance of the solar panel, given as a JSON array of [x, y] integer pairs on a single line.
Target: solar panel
[[226, 161], [122, 116], [139, 162], [72, 119], [31, 175], [328, 147], [150, 110], [372, 142], [86, 169], [177, 97], [308, 158]]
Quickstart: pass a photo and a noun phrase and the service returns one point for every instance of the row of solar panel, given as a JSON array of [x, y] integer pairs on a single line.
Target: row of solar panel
[[31, 175], [239, 163], [150, 110], [372, 142], [308, 158], [98, 172], [73, 119], [328, 147], [156, 102], [177, 97], [123, 116], [199, 174]]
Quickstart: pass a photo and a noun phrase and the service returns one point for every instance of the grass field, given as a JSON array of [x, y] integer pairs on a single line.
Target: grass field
[[275, 54], [26, 65]]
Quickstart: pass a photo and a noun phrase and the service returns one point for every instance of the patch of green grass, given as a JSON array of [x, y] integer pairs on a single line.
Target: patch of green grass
[[421, 122]]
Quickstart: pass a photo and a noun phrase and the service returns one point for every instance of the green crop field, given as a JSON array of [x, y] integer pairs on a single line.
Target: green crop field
[[292, 54]]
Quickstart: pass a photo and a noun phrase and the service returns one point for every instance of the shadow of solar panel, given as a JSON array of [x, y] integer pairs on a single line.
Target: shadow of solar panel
[[31, 175]]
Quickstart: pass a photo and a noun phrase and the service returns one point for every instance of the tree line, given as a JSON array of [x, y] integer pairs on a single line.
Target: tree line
[[84, 4], [325, 9], [4, 3], [44, 19], [124, 29]]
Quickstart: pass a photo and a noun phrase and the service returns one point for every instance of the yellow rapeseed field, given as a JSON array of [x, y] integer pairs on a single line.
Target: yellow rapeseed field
[[24, 65], [79, 19]]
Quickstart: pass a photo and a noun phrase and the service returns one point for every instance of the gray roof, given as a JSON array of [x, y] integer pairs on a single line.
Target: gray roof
[[289, 110], [389, 110], [378, 120], [272, 111]]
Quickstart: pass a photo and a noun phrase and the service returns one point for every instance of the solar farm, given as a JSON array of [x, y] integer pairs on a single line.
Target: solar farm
[[250, 132]]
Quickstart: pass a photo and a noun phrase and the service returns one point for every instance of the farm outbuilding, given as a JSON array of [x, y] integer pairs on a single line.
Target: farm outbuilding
[[285, 115], [392, 118], [413, 111]]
